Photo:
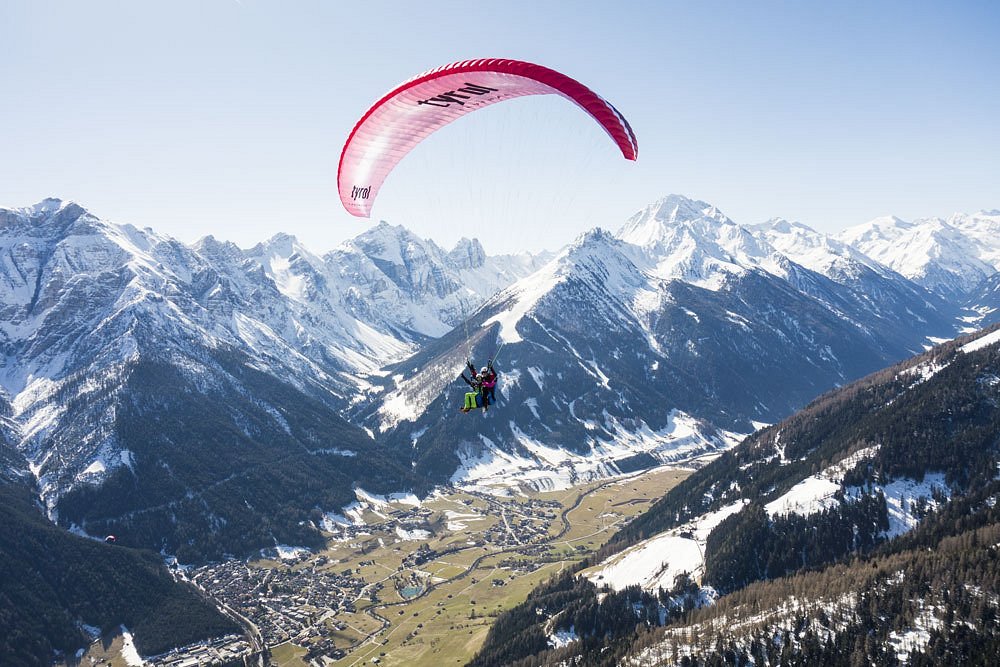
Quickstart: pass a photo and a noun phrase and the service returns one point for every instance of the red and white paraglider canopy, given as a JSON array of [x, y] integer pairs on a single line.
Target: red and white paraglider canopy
[[403, 118]]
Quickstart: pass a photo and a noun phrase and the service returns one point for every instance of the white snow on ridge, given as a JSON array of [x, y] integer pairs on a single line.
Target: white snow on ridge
[[980, 343], [815, 493], [692, 241], [932, 252], [902, 494], [655, 562], [525, 294], [818, 252]]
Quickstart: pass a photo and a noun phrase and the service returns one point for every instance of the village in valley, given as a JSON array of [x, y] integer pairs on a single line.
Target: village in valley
[[412, 581]]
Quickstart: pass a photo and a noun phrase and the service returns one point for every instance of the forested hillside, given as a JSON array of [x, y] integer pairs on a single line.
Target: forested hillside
[[905, 525], [52, 583]]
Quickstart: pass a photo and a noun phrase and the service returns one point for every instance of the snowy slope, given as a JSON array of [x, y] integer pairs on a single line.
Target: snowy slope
[[948, 257], [619, 352], [692, 241], [654, 563], [868, 291], [86, 302], [815, 251], [983, 227]]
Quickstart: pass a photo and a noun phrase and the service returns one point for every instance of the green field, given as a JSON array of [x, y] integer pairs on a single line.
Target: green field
[[448, 624]]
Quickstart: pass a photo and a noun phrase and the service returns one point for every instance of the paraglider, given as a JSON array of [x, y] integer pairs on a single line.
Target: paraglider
[[111, 539], [414, 110], [405, 116], [483, 385]]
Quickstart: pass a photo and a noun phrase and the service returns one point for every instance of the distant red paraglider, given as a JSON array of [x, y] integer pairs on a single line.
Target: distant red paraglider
[[111, 539], [411, 112]]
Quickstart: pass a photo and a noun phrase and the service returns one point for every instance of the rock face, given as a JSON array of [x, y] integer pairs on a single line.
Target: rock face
[[206, 399]]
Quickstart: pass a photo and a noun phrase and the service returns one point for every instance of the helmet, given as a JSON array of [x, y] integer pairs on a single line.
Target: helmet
[[484, 371]]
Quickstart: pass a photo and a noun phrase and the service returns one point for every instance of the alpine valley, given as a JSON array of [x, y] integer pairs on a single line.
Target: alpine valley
[[202, 403]]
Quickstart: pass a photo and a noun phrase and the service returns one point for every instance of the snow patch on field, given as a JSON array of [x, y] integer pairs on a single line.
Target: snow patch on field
[[459, 520], [286, 552], [382, 501], [129, 651], [412, 534]]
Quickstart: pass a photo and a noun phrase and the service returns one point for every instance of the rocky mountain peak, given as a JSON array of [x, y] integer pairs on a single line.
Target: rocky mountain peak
[[660, 223], [467, 254]]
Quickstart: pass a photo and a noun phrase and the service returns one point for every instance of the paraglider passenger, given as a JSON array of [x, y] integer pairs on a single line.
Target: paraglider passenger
[[474, 397], [489, 379], [483, 383]]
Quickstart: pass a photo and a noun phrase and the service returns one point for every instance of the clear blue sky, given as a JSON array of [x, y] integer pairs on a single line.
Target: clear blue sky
[[227, 117]]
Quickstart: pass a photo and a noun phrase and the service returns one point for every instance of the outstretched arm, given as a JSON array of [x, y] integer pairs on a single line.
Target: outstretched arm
[[467, 380]]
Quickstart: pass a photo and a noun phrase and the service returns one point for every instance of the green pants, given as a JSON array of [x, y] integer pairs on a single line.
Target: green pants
[[470, 400]]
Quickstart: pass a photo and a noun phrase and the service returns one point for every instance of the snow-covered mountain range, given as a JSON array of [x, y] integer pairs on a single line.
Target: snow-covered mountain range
[[140, 372], [949, 257], [682, 318], [657, 343]]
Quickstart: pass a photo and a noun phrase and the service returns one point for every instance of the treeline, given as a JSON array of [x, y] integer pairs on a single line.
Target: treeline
[[605, 626], [749, 545], [852, 614], [847, 615], [51, 581]]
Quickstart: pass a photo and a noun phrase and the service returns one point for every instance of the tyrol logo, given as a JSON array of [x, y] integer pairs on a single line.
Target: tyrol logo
[[360, 192], [456, 96]]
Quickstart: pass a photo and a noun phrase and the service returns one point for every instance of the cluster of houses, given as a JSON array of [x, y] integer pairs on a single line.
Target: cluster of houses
[[284, 602], [227, 650]]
